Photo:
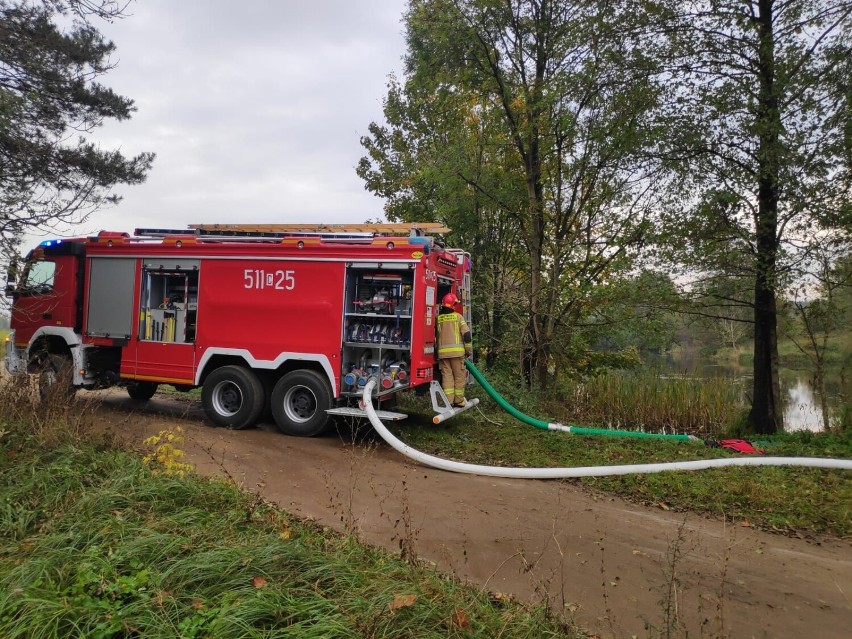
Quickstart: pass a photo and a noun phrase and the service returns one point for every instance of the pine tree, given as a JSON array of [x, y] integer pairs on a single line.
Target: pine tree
[[51, 173]]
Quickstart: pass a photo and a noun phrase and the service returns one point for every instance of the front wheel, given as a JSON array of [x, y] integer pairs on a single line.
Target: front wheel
[[300, 400], [56, 378], [233, 397]]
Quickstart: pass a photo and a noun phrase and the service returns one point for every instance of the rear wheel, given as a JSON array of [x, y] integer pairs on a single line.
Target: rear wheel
[[141, 391], [56, 377], [299, 403], [233, 397]]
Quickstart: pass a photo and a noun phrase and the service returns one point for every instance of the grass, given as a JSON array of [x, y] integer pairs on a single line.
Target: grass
[[838, 352], [96, 543], [93, 544], [798, 501]]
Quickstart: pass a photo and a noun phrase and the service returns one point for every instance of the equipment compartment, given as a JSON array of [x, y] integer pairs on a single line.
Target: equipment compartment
[[377, 329], [169, 303]]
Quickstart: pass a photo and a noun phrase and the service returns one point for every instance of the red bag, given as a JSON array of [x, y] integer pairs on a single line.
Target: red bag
[[741, 446]]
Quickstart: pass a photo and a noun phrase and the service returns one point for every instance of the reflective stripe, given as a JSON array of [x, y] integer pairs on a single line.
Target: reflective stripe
[[450, 342]]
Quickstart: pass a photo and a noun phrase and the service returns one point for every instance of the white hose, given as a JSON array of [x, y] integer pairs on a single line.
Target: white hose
[[584, 471]]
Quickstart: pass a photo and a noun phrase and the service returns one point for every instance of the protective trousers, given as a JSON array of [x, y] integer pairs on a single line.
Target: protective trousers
[[453, 379]]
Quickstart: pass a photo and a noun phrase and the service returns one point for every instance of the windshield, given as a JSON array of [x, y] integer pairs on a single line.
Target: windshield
[[39, 277]]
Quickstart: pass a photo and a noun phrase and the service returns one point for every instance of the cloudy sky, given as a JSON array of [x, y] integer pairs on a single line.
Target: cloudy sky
[[254, 109]]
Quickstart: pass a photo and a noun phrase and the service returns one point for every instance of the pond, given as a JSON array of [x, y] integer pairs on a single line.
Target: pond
[[801, 406], [801, 400]]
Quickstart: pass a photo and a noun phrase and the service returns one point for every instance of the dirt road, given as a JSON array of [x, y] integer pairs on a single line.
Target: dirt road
[[617, 568]]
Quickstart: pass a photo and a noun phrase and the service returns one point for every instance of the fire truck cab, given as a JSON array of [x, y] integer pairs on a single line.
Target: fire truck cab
[[287, 320]]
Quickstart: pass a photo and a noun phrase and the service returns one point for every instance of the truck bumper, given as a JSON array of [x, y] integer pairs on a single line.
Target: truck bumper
[[15, 358]]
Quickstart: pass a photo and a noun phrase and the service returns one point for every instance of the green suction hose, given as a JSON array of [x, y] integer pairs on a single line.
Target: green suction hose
[[577, 430]]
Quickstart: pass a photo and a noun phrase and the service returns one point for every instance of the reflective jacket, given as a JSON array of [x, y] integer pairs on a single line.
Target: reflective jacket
[[453, 336]]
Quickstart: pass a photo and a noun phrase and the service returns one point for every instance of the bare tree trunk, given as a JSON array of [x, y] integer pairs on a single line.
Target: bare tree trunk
[[766, 416], [766, 410], [535, 235]]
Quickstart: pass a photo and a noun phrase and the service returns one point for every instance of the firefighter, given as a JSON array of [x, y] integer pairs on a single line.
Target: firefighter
[[454, 344]]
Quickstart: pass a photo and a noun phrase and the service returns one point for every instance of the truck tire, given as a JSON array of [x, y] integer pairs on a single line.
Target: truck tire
[[141, 391], [233, 397], [299, 402], [55, 378]]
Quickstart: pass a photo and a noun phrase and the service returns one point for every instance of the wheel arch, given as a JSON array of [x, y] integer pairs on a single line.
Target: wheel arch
[[271, 370], [51, 341]]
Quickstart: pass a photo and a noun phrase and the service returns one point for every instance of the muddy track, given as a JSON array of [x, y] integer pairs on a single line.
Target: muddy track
[[616, 568]]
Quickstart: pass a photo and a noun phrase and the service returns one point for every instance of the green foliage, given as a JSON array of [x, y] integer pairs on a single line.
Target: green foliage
[[528, 146], [638, 311], [759, 123], [49, 92], [440, 155], [112, 550]]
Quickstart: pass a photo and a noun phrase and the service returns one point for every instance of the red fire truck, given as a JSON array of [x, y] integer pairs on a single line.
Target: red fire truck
[[285, 319]]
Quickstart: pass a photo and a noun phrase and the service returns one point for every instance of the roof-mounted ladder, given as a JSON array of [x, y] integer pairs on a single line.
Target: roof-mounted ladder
[[277, 231], [407, 228]]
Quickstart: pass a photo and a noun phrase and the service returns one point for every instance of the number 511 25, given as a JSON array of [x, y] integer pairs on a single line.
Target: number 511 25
[[278, 280]]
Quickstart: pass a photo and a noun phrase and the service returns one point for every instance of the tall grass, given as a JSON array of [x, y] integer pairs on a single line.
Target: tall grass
[[111, 550], [646, 400], [633, 400], [46, 422]]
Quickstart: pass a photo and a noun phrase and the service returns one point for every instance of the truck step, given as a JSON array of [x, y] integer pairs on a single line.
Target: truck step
[[384, 415]]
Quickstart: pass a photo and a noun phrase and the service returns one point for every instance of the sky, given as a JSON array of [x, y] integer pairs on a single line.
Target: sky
[[254, 109]]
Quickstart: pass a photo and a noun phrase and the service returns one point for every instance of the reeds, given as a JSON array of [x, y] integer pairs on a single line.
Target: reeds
[[645, 400]]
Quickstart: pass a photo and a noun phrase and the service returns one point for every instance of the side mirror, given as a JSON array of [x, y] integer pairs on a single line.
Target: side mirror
[[11, 278]]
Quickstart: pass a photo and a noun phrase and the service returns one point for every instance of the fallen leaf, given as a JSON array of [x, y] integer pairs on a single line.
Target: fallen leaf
[[461, 620], [259, 582], [745, 524], [197, 604], [402, 601]]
